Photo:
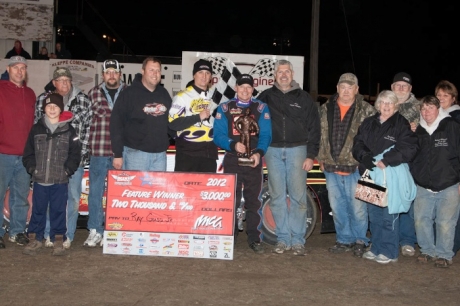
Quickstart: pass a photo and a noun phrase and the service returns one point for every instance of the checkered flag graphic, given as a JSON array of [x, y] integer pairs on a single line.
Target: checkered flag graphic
[[218, 64], [224, 89], [264, 67]]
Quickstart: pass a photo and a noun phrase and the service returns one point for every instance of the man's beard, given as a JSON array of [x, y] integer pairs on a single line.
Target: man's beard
[[402, 97], [111, 84]]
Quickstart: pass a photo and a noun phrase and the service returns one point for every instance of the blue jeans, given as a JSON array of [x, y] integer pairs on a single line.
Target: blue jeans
[[73, 203], [286, 176], [54, 198], [441, 208], [98, 169], [143, 161], [384, 229], [350, 214], [457, 237], [14, 175], [407, 228]]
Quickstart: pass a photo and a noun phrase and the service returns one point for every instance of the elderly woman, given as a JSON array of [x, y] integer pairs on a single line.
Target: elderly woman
[[436, 170], [386, 136]]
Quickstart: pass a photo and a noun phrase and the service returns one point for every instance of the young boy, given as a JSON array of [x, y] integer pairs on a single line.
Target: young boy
[[51, 156]]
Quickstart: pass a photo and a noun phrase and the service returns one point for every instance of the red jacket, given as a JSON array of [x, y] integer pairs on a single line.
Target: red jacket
[[17, 107]]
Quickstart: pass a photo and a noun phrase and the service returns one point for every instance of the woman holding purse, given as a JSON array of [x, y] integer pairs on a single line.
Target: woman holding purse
[[386, 135]]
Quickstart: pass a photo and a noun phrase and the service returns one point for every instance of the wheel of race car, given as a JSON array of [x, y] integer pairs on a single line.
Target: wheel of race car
[[268, 223]]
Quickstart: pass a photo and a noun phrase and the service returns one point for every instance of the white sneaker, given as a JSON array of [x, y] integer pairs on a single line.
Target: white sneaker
[[48, 243], [92, 233], [408, 250], [369, 255], [93, 239], [66, 244], [382, 259]]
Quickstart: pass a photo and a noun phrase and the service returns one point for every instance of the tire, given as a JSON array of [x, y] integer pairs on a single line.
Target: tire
[[268, 224]]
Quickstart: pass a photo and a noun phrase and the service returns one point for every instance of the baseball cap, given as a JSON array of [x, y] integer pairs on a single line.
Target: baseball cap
[[402, 76], [54, 98], [202, 64], [111, 63], [245, 79], [348, 78], [61, 71], [17, 59]]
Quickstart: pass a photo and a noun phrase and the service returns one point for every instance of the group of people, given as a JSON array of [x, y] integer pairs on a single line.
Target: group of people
[[409, 146], [115, 126], [60, 52], [46, 142]]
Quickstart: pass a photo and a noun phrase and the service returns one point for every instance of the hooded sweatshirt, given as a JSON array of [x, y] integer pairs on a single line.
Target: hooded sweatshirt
[[437, 163], [140, 119], [78, 103], [52, 151], [18, 51]]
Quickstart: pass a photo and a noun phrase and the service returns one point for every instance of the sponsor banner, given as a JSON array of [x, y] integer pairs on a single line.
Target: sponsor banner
[[190, 203], [259, 66], [87, 74], [168, 244]]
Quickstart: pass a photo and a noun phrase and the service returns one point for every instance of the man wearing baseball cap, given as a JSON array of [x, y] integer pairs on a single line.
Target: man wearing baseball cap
[[16, 119], [190, 117], [78, 104], [409, 107], [341, 117], [103, 98], [228, 136]]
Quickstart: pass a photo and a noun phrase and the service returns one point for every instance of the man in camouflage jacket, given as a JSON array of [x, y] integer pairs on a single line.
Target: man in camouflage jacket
[[341, 116]]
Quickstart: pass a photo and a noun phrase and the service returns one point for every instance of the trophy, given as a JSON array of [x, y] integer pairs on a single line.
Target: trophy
[[245, 125]]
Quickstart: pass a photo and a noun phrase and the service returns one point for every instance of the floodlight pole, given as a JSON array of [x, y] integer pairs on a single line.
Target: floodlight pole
[[314, 41]]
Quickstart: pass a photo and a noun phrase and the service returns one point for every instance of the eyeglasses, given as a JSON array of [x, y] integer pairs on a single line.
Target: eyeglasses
[[62, 81], [405, 86], [387, 102]]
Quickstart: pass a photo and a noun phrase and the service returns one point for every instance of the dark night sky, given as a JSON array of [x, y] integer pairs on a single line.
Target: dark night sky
[[372, 38]]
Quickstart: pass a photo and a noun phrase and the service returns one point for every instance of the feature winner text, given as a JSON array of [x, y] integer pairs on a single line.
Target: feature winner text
[[135, 203]]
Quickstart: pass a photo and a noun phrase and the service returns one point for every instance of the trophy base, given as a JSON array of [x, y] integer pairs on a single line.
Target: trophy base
[[244, 161]]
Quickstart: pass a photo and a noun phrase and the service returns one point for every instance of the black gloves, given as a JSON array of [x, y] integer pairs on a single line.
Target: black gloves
[[368, 161]]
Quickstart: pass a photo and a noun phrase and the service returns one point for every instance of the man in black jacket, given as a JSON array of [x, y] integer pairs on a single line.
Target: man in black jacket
[[139, 122], [295, 127]]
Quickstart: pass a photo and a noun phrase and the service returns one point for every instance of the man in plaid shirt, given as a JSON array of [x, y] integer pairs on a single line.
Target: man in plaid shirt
[[103, 98], [78, 103]]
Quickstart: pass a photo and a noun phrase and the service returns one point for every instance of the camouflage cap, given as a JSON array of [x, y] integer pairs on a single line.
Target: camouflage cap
[[348, 78], [61, 71]]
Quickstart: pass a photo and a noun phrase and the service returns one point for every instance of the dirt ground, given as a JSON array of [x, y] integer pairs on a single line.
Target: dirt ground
[[87, 277]]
